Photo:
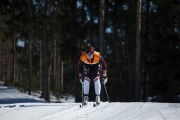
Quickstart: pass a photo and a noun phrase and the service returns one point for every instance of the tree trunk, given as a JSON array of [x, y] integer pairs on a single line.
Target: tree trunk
[[40, 65], [130, 50], [1, 58], [58, 71], [46, 68], [101, 26], [138, 48], [3, 75], [14, 52], [41, 37], [62, 77], [54, 63], [46, 58], [14, 44], [30, 64], [30, 57], [91, 28], [146, 59]]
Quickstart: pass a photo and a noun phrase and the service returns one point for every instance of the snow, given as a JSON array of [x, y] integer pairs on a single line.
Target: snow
[[15, 105]]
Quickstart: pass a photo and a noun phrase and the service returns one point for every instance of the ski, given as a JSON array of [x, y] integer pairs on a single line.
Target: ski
[[83, 104], [96, 104]]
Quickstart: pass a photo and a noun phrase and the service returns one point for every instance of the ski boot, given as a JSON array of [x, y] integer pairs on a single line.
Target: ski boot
[[98, 100], [86, 99]]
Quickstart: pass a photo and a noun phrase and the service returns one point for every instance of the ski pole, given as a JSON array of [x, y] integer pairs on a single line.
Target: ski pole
[[106, 93]]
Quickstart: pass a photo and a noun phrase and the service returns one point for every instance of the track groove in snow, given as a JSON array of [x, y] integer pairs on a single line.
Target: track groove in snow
[[65, 112]]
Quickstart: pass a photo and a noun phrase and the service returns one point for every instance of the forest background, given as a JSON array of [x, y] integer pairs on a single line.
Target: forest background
[[41, 41]]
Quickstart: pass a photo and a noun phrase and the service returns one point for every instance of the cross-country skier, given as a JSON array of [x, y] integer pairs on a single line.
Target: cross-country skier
[[90, 66]]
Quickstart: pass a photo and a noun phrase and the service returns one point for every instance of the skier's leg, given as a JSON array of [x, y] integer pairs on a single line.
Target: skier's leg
[[86, 89], [97, 85]]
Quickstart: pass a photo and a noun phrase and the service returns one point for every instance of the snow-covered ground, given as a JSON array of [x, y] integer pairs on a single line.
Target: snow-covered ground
[[15, 105]]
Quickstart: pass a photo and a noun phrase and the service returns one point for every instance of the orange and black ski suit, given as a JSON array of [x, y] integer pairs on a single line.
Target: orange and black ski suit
[[91, 69]]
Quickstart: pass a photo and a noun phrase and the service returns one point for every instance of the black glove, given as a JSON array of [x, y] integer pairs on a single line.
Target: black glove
[[81, 77], [104, 78]]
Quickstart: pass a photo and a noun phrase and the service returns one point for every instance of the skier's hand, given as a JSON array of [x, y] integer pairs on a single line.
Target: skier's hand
[[104, 81], [81, 81], [81, 78], [104, 78]]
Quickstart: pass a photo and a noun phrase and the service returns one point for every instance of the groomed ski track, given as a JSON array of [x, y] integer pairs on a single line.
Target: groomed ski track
[[118, 111], [15, 105], [105, 111]]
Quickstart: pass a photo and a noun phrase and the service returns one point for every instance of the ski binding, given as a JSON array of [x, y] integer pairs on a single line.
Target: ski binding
[[96, 104], [83, 104]]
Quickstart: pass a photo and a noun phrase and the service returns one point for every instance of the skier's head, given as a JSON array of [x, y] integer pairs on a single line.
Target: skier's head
[[90, 52]]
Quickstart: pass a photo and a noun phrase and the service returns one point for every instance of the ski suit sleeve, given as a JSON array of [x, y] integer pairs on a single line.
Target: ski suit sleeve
[[103, 62], [104, 66], [104, 70]]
